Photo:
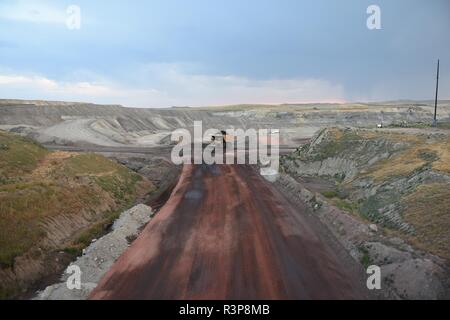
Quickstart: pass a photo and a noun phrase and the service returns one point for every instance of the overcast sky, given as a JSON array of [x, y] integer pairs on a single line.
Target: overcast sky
[[165, 53]]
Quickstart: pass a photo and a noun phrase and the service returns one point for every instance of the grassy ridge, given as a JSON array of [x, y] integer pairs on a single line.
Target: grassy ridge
[[428, 209], [37, 185], [18, 156]]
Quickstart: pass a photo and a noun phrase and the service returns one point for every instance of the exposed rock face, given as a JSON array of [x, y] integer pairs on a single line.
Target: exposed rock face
[[410, 276], [100, 255], [339, 153], [416, 279], [361, 164], [383, 180], [332, 167], [83, 123], [406, 273]]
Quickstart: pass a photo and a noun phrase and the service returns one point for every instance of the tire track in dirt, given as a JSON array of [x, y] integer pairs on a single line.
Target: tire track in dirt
[[225, 233]]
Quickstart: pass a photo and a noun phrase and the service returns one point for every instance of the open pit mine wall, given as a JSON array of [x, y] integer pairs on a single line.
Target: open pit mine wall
[[48, 114]]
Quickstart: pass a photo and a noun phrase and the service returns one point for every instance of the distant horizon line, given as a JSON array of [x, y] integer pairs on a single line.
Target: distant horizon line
[[35, 101]]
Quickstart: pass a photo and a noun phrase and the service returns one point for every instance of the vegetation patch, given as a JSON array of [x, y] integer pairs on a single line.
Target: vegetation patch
[[418, 155], [89, 164], [57, 187], [337, 142], [95, 231], [329, 194], [121, 185], [422, 125], [346, 205], [23, 209], [365, 259], [428, 155], [428, 210], [401, 165], [442, 150], [18, 156]]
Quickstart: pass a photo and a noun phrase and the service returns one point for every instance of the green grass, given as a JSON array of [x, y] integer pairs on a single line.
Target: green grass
[[121, 185], [340, 199], [365, 258], [336, 145], [73, 251], [82, 182], [339, 193], [428, 210], [68, 184], [22, 209], [346, 205], [18, 155], [96, 230], [89, 164], [329, 194], [113, 178]]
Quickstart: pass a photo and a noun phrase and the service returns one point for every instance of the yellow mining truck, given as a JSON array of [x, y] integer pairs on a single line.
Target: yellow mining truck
[[222, 137]]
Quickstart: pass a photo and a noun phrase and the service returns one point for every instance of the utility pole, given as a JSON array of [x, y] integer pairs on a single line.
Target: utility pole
[[436, 98]]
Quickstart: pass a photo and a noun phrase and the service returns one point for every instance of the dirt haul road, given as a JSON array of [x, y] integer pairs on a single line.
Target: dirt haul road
[[226, 233]]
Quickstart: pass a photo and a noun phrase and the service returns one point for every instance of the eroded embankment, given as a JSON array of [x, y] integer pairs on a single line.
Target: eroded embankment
[[385, 197], [102, 253], [98, 257], [51, 205]]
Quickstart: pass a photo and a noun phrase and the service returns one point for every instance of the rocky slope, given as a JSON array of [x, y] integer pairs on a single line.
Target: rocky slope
[[386, 196], [89, 124]]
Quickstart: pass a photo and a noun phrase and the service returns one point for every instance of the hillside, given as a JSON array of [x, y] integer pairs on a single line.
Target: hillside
[[66, 123], [390, 178], [396, 181], [52, 204]]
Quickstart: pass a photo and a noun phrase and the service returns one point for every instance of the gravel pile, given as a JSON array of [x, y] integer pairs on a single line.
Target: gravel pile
[[100, 255]]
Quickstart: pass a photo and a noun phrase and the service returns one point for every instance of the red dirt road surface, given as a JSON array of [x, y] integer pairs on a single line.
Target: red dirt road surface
[[226, 233]]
